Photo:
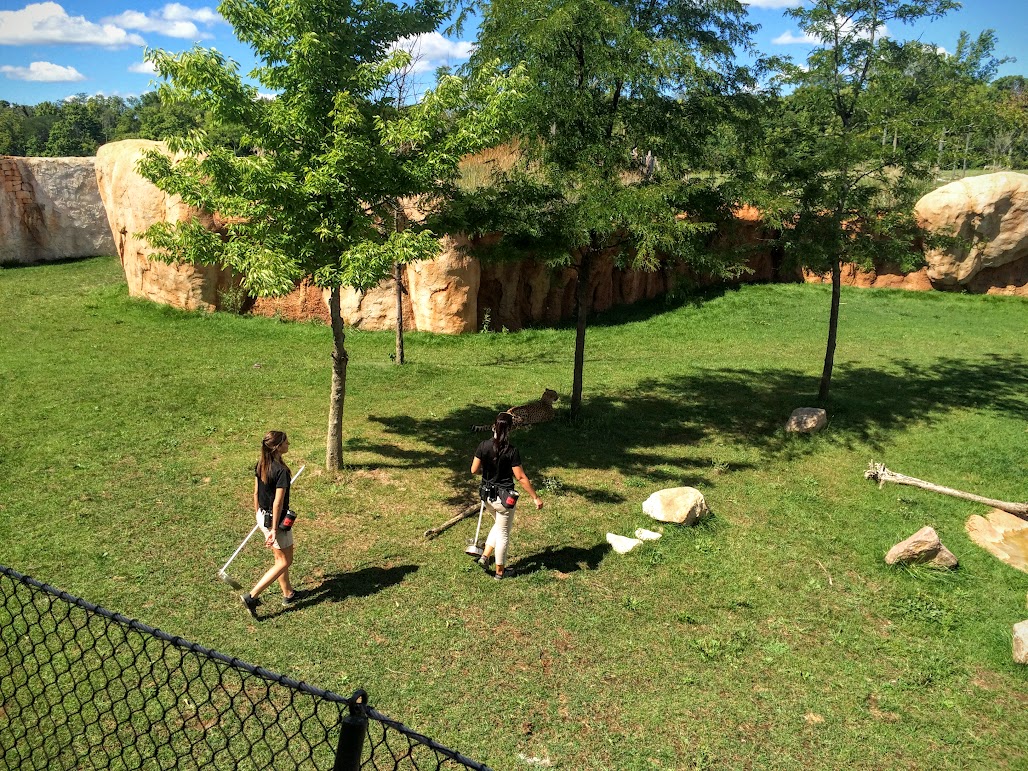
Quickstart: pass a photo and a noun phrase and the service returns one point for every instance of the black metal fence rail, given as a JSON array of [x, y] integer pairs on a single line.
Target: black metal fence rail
[[82, 687]]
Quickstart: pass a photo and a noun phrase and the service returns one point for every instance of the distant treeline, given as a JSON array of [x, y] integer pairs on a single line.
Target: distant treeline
[[79, 125], [991, 134]]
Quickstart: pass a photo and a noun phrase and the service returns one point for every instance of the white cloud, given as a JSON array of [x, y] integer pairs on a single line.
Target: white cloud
[[48, 23], [173, 20], [790, 38], [43, 72], [432, 50], [143, 68]]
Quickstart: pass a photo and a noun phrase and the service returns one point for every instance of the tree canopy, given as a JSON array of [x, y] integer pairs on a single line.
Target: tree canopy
[[322, 163]]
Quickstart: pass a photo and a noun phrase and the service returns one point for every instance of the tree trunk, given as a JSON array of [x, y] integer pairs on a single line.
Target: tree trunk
[[398, 278], [334, 440], [833, 331], [581, 313]]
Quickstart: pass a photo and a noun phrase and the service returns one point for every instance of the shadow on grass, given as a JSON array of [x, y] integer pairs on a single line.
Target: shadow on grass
[[360, 583], [565, 559], [657, 431]]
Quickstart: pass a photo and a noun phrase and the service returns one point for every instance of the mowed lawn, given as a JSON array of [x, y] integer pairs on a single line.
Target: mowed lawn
[[771, 636]]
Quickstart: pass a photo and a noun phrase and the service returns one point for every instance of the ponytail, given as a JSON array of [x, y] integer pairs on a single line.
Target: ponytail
[[501, 430], [270, 452]]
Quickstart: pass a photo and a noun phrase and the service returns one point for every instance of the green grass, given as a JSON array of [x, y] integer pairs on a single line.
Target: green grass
[[770, 636]]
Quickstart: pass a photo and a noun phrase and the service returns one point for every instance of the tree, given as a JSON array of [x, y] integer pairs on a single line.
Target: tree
[[616, 82], [850, 148], [321, 162]]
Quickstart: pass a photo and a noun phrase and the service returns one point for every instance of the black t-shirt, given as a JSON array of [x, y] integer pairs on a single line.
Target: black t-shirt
[[499, 471], [278, 476]]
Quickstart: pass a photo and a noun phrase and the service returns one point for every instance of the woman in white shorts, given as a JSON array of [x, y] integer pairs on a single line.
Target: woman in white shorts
[[271, 504]]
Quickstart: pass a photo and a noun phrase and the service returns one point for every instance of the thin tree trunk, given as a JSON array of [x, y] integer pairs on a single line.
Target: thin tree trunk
[[334, 440], [581, 313], [967, 149], [398, 278], [833, 331], [942, 145], [880, 474]]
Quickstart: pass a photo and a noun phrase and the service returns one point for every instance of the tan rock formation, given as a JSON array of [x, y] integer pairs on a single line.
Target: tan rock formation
[[1003, 535], [989, 216], [133, 204], [443, 291], [50, 209], [881, 277], [806, 420], [923, 547], [680, 505]]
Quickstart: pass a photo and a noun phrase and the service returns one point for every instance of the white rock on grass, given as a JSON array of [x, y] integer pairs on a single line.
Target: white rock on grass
[[807, 420], [621, 544], [680, 505], [1021, 642], [646, 535]]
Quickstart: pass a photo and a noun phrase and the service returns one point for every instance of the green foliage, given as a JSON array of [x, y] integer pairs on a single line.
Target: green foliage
[[851, 149], [614, 84], [315, 189]]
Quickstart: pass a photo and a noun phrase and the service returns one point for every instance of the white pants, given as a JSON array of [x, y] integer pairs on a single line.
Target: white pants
[[499, 535]]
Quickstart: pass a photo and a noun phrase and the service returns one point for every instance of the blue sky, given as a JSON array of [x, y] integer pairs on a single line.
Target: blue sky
[[53, 50]]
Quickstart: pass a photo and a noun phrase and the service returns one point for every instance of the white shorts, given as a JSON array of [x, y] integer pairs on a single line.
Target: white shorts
[[283, 538]]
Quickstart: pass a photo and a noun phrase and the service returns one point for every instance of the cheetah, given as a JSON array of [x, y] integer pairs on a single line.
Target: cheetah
[[528, 414]]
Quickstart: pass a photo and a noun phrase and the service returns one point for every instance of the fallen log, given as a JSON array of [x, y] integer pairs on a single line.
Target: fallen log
[[432, 532], [880, 474]]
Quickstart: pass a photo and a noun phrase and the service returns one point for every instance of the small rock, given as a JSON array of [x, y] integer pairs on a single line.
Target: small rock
[[646, 535], [1021, 642], [621, 544], [680, 505], [922, 546], [807, 420]]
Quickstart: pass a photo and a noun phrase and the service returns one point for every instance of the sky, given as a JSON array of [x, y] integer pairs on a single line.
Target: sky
[[50, 51]]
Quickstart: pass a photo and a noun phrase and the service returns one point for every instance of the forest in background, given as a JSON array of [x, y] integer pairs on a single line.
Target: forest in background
[[991, 134]]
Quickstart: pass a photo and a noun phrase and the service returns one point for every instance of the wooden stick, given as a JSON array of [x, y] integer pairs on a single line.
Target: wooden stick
[[432, 532], [880, 474]]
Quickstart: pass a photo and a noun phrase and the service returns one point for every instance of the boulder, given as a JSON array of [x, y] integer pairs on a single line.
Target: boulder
[[807, 420], [680, 505], [989, 217], [1021, 642], [133, 204], [924, 548], [1003, 535], [50, 209], [443, 291]]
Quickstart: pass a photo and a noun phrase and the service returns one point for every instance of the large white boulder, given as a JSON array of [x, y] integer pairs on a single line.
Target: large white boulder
[[807, 420], [680, 505], [988, 215], [133, 204], [50, 209], [1002, 534]]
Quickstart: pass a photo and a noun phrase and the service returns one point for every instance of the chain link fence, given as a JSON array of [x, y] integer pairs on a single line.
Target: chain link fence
[[84, 688]]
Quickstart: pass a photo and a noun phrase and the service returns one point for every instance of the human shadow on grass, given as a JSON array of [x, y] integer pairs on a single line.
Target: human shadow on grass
[[660, 430], [563, 559], [360, 583]]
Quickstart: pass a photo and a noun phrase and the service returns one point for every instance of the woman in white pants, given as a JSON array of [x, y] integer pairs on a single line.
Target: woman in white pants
[[500, 464]]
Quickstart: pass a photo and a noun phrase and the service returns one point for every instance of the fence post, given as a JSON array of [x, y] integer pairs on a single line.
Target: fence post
[[352, 733]]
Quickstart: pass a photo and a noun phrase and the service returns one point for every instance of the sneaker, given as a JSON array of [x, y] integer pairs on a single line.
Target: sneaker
[[292, 598], [250, 604], [484, 561]]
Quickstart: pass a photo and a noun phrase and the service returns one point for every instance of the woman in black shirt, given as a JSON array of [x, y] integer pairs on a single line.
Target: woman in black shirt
[[500, 464], [271, 503]]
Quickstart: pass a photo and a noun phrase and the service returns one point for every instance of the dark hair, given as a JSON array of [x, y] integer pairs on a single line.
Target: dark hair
[[501, 430], [271, 451]]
